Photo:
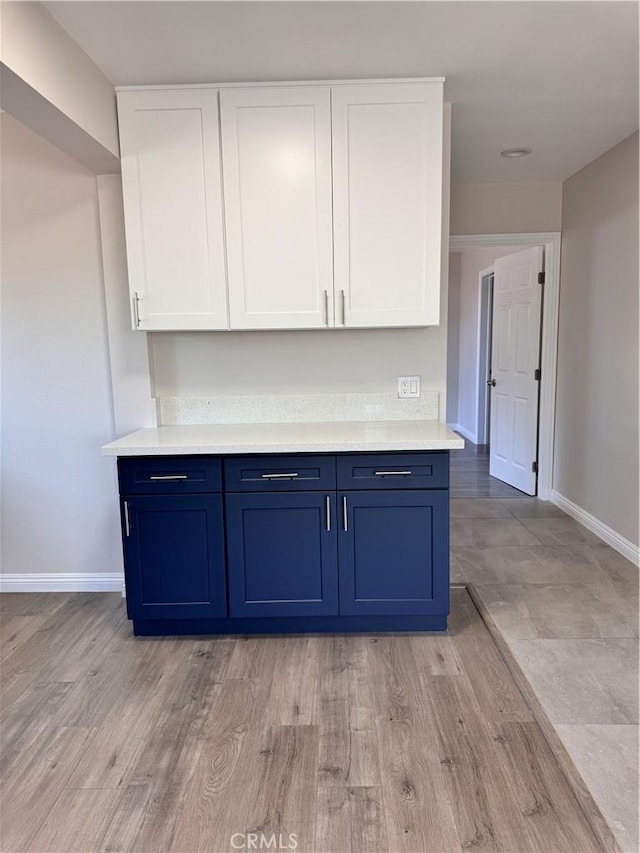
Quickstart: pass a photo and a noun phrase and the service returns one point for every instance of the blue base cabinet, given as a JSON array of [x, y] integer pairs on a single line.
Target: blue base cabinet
[[391, 551], [282, 556], [174, 556], [271, 544]]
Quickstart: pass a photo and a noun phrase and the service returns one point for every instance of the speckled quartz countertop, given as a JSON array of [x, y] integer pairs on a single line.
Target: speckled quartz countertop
[[350, 436]]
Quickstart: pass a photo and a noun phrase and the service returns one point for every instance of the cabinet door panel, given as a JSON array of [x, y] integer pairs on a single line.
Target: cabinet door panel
[[277, 182], [174, 556], [387, 170], [394, 554], [282, 558], [173, 207]]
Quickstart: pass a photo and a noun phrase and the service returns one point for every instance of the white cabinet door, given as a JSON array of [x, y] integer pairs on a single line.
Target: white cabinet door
[[387, 196], [276, 151], [173, 208]]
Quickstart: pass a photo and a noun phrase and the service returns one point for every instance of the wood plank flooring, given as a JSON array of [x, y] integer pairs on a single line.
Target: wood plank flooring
[[372, 743], [469, 475]]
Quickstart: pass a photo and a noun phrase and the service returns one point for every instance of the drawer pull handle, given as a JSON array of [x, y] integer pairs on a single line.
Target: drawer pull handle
[[279, 476], [392, 473], [168, 476], [328, 506], [127, 525], [345, 514]]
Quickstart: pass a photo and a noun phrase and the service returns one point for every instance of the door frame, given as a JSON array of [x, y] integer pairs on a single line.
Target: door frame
[[551, 242], [484, 357]]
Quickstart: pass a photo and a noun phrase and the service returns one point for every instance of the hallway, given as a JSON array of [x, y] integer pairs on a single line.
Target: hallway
[[469, 477]]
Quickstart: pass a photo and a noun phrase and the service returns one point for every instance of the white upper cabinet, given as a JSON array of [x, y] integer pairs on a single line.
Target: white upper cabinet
[[387, 197], [292, 206], [173, 208], [276, 152]]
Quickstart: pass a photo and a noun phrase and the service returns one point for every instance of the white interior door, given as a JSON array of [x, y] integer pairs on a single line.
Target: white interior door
[[276, 146], [515, 353]]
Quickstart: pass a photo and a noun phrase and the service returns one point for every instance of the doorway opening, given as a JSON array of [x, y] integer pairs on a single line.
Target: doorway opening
[[484, 355], [501, 347]]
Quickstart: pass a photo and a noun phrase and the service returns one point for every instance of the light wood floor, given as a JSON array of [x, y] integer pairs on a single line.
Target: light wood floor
[[352, 743]]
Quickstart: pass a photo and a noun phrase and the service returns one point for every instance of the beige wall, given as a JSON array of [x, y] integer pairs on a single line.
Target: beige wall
[[453, 337], [472, 261], [41, 53], [59, 497], [206, 363], [133, 407], [506, 208], [596, 443], [464, 322]]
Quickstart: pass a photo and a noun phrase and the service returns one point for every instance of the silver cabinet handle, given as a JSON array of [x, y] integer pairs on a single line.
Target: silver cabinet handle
[[136, 309], [279, 476], [344, 308], [168, 476], [326, 307], [392, 473], [327, 502], [345, 517], [127, 527]]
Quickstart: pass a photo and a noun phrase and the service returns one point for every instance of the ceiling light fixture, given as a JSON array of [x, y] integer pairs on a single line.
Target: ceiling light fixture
[[515, 152]]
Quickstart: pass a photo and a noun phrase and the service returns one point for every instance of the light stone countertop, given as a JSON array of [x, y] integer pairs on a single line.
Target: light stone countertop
[[353, 436]]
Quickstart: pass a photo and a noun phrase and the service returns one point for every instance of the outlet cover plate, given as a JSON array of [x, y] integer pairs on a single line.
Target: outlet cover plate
[[408, 386]]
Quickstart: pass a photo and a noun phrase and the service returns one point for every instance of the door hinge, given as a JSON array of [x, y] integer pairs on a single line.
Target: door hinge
[[537, 374], [534, 467], [540, 278]]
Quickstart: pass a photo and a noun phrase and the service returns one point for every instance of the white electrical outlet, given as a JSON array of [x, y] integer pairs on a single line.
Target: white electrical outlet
[[408, 386]]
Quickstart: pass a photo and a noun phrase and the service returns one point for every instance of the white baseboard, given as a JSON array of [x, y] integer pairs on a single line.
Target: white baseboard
[[464, 433], [607, 534], [62, 582]]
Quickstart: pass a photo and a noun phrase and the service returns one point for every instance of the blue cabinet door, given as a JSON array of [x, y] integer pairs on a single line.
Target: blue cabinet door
[[394, 552], [282, 554], [174, 556]]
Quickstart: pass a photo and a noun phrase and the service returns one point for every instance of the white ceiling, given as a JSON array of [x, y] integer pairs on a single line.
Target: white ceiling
[[561, 78]]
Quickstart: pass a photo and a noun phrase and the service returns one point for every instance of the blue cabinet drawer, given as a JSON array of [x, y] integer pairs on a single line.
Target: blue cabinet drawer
[[426, 470], [280, 473], [163, 475]]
